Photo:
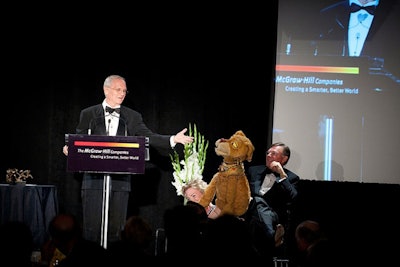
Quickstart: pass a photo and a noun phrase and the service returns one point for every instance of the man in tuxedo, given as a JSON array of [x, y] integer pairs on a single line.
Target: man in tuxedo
[[354, 24], [273, 190], [354, 28], [112, 118]]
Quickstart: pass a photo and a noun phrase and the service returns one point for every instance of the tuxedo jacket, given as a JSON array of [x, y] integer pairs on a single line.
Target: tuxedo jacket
[[281, 195], [333, 27], [323, 31], [130, 124]]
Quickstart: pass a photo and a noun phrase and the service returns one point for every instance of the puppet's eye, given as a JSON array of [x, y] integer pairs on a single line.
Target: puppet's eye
[[235, 145]]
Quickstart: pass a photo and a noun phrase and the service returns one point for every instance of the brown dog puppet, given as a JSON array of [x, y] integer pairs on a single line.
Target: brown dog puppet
[[229, 186]]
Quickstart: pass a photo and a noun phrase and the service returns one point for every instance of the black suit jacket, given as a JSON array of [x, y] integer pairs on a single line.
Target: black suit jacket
[[281, 195], [131, 124]]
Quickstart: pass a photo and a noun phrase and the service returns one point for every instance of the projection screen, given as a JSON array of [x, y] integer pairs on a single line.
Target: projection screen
[[337, 89]]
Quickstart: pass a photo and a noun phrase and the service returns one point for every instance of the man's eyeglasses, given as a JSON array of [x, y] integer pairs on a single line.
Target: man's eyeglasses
[[119, 90], [273, 153]]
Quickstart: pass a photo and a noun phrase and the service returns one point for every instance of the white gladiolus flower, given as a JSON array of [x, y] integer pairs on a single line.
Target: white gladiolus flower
[[192, 166]]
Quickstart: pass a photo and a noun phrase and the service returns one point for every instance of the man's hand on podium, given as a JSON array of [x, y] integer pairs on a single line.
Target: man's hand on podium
[[65, 150]]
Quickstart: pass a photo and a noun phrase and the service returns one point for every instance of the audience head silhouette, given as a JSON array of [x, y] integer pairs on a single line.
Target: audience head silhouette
[[229, 235], [67, 247], [138, 232], [307, 233], [315, 249], [184, 224], [65, 231]]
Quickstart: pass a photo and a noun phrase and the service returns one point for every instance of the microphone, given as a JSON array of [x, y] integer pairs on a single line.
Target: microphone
[[125, 125], [120, 120], [108, 127], [288, 47], [147, 149], [93, 123], [90, 127]]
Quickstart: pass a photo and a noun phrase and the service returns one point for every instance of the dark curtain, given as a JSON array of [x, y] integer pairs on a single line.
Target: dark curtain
[[212, 66]]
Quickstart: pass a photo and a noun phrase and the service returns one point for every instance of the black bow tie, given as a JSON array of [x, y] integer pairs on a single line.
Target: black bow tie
[[111, 110], [269, 171], [354, 8]]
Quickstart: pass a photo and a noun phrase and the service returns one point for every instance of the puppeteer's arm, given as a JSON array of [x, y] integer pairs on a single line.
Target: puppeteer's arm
[[209, 193]]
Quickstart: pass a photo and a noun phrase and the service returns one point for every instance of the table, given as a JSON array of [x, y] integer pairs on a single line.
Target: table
[[32, 204]]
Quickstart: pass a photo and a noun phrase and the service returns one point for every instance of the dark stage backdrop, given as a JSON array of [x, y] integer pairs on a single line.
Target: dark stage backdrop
[[211, 66]]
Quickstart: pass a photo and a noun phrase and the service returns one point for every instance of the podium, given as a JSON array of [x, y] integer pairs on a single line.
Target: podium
[[108, 155]]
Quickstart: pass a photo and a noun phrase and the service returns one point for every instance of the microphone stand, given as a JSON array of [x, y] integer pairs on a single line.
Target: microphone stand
[[105, 209], [106, 202]]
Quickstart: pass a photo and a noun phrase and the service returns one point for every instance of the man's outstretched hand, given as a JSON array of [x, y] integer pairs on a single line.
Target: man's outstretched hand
[[182, 138]]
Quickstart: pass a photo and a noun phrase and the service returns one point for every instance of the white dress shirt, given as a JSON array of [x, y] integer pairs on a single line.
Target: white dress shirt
[[359, 24]]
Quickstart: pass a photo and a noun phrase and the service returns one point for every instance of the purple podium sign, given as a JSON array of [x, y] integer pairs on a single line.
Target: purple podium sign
[[106, 154]]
